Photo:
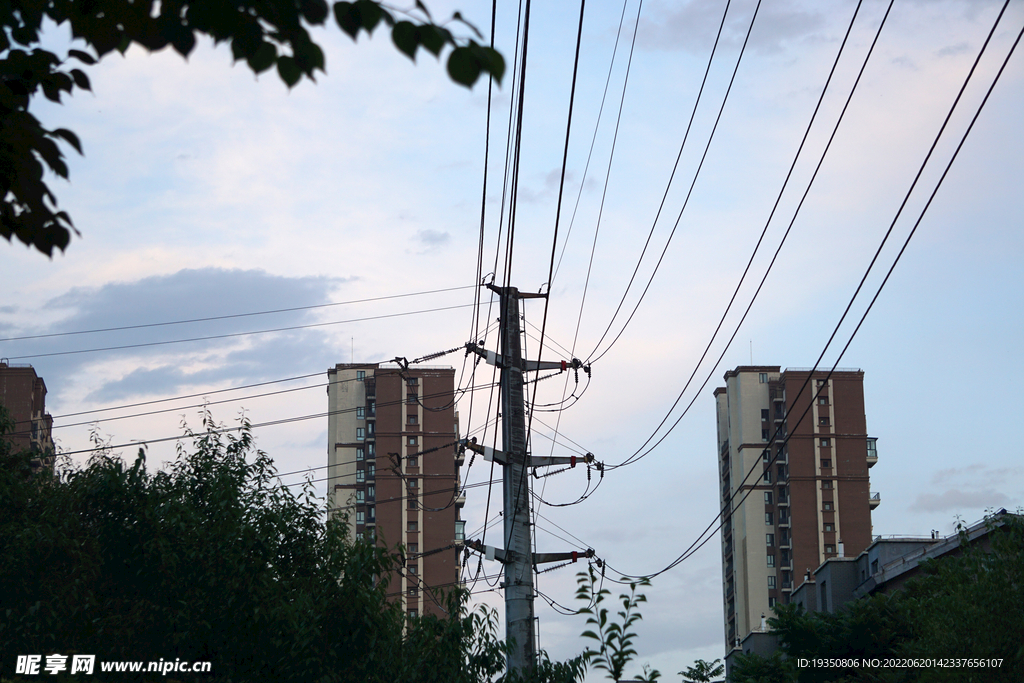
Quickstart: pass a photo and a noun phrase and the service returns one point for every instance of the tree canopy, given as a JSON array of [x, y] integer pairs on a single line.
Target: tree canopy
[[963, 606], [264, 34]]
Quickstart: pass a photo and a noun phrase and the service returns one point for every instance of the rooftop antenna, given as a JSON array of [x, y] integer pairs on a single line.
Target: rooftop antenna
[[352, 354], [751, 351]]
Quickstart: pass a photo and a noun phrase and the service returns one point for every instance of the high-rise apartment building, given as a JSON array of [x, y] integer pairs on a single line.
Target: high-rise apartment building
[[793, 455], [393, 468], [23, 394]]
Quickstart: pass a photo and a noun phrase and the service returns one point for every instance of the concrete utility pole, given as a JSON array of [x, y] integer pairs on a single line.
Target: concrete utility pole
[[516, 488], [517, 555]]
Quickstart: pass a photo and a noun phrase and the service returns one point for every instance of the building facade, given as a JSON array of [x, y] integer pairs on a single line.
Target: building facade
[[23, 394], [793, 455], [393, 469]]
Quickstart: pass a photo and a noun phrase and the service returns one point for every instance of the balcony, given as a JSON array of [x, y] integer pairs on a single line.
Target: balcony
[[872, 456], [460, 531], [874, 500], [461, 500]]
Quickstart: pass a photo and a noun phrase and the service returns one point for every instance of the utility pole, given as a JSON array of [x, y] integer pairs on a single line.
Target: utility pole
[[517, 555], [516, 488]]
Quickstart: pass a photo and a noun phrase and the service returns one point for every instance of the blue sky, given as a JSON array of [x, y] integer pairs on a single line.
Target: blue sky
[[207, 191]]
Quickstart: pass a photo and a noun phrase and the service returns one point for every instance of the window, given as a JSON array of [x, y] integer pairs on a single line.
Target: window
[[767, 497], [766, 455], [826, 506], [762, 377], [360, 454], [826, 464], [360, 517], [411, 381], [369, 429], [782, 494], [414, 547], [372, 405], [771, 602], [821, 383], [412, 397], [827, 484], [785, 537], [823, 421], [414, 591], [371, 470], [371, 450], [360, 412], [413, 440], [413, 569], [413, 419], [826, 443], [767, 476], [769, 540], [764, 414], [783, 515], [360, 497], [830, 549], [782, 472], [371, 492], [830, 527], [413, 461], [413, 614], [874, 566], [360, 375], [769, 519], [412, 526], [771, 560], [412, 503], [764, 435], [771, 582], [360, 434], [371, 513], [360, 476], [460, 530], [823, 400], [413, 483]]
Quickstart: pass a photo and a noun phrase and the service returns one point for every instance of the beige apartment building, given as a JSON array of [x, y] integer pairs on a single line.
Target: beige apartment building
[[393, 468], [793, 456]]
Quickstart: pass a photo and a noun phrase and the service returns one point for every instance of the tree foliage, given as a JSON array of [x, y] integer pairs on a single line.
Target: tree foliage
[[702, 671], [265, 34], [963, 606], [615, 649], [212, 560]]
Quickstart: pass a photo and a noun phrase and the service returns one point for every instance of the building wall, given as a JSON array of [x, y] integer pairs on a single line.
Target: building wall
[[404, 492], [23, 394], [807, 494]]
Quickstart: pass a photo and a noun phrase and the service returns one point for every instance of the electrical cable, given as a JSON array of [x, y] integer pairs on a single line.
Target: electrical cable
[[239, 334], [235, 315], [878, 292]]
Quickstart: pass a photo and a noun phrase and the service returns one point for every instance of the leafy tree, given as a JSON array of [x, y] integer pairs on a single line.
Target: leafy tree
[[615, 639], [212, 560], [264, 33], [963, 606], [702, 671]]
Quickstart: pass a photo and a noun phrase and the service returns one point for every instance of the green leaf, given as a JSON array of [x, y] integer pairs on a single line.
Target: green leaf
[[83, 57], [263, 58], [492, 61], [463, 66], [406, 38], [348, 18], [370, 14], [81, 80], [69, 137], [432, 38], [288, 70]]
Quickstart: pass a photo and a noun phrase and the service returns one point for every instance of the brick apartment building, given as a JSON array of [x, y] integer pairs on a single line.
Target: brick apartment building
[[23, 394], [393, 467], [802, 437]]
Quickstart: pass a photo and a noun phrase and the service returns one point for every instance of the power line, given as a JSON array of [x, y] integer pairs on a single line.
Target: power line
[[695, 546], [239, 334], [234, 315]]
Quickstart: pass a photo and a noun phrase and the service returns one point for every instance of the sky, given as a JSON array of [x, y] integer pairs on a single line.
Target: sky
[[205, 191]]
